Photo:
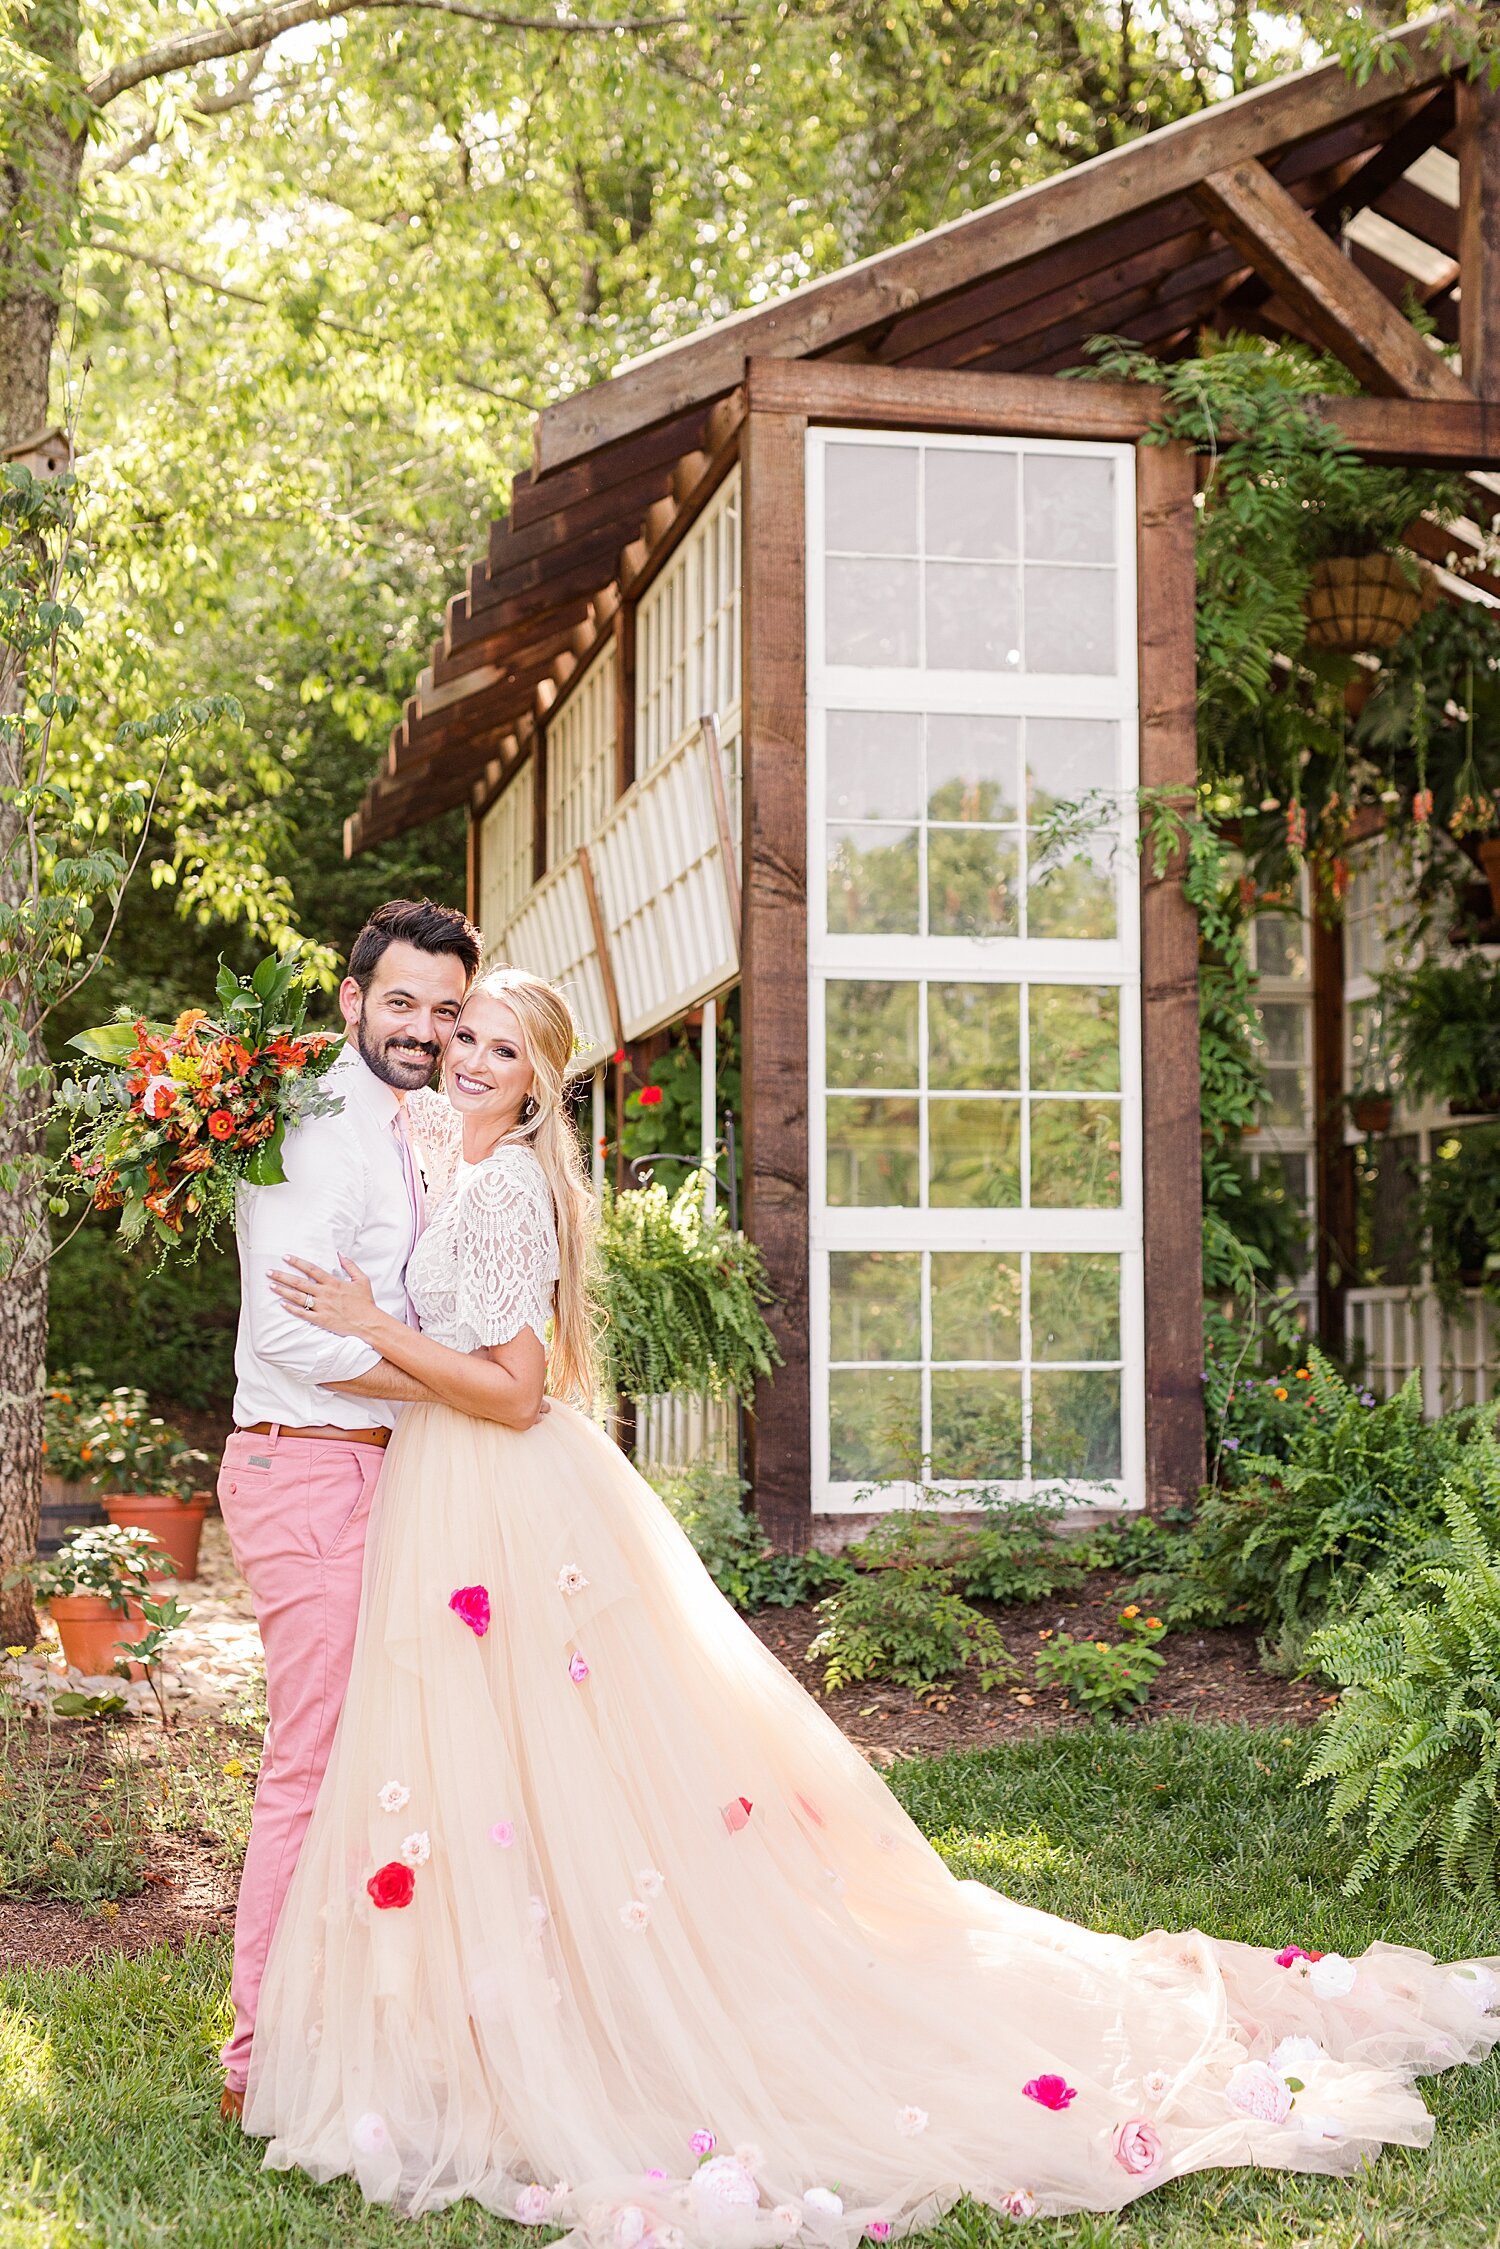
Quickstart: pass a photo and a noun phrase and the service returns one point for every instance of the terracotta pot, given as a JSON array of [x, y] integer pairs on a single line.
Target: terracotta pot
[[90, 1629], [1372, 1112], [1358, 602], [66, 1507], [1489, 859], [175, 1524]]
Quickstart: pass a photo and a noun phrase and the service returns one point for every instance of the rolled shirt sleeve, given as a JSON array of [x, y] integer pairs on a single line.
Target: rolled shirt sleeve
[[317, 1216]]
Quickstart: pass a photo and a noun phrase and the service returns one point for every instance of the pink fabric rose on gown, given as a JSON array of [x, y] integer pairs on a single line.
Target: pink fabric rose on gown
[[1137, 2146], [1049, 2091], [471, 1605]]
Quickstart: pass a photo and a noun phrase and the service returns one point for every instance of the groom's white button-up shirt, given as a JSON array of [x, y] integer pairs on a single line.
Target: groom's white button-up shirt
[[345, 1191]]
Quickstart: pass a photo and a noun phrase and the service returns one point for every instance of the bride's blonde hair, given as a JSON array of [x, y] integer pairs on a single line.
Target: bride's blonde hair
[[547, 1025]]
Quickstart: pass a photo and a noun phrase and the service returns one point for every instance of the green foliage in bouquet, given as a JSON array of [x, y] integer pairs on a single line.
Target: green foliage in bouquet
[[682, 1296], [177, 1115], [1413, 1748]]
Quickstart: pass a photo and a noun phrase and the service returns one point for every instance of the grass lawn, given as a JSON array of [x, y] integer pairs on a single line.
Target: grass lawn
[[109, 2137]]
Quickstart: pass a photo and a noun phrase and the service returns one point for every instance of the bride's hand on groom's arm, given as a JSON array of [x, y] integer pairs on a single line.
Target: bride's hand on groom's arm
[[341, 1304]]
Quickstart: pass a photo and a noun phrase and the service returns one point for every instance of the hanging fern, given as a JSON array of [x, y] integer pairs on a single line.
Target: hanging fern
[[1413, 1748], [682, 1297]]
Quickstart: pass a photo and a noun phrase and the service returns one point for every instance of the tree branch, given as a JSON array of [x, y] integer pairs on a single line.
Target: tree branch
[[210, 104], [112, 249], [258, 27]]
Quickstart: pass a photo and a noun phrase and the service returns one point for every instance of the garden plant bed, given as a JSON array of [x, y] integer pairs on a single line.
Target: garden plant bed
[[1208, 1675]]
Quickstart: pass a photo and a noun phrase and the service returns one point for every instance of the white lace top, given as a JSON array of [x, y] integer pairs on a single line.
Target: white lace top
[[486, 1264]]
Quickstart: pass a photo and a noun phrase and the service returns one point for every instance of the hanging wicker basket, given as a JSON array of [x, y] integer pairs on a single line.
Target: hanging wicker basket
[[1363, 601]]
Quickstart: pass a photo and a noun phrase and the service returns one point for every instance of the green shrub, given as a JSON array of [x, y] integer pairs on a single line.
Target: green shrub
[[1445, 1020], [1356, 1489], [682, 1296], [748, 1570], [1100, 1677], [169, 1331], [1413, 1747], [900, 1615], [1017, 1555]]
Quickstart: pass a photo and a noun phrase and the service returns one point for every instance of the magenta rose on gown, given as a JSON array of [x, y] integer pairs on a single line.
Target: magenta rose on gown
[[471, 1604], [1049, 2091]]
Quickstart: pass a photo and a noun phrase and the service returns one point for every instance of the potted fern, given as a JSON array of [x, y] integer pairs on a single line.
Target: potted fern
[[1445, 1032]]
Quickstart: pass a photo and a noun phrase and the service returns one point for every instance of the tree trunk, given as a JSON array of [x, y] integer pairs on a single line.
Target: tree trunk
[[39, 171]]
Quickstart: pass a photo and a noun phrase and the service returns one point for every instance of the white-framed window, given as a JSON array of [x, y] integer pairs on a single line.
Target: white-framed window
[[581, 758], [507, 842], [1285, 1148], [1395, 1323], [974, 1066], [687, 642]]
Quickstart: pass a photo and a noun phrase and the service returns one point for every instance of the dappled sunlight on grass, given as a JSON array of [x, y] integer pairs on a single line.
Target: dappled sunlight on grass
[[996, 1857]]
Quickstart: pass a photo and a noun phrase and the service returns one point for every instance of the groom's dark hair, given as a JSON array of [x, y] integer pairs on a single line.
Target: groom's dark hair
[[414, 921]]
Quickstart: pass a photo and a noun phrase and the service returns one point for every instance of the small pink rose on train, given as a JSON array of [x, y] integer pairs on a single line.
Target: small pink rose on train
[[1255, 2089], [578, 1669], [811, 1810], [533, 2205], [635, 1915], [1290, 1954], [1137, 2146], [471, 1605], [1019, 2204], [878, 2229], [1049, 2091], [703, 2142], [570, 1578], [504, 1833], [910, 2121], [737, 1813], [631, 2226], [393, 1796]]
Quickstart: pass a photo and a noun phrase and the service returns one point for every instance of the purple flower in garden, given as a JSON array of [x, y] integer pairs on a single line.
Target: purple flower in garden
[[1367, 1397], [1231, 1444]]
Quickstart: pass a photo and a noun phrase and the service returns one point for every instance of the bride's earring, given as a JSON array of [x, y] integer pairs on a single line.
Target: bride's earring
[[528, 1108]]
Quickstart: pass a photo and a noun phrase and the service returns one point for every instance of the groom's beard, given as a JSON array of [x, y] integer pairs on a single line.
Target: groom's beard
[[402, 1062]]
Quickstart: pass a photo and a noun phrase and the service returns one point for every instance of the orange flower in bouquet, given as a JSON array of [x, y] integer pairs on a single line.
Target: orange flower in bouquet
[[174, 1116]]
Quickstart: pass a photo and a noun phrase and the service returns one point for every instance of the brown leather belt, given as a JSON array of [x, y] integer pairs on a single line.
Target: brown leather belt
[[325, 1434]]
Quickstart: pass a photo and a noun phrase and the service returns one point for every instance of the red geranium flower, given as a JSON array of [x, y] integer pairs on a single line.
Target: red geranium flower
[[650, 1096], [392, 1885], [221, 1123]]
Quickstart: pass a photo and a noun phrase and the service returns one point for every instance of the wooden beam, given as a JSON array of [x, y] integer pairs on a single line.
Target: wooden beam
[[1479, 236], [1344, 309], [774, 975], [601, 946], [826, 390], [1436, 433], [1030, 223], [1171, 1124], [1333, 1168], [1426, 216]]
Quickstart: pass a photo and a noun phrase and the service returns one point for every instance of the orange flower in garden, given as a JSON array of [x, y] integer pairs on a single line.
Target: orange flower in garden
[[1133, 1610], [189, 1020], [1154, 1623], [221, 1125], [1280, 1392], [1102, 1646], [1303, 1375]]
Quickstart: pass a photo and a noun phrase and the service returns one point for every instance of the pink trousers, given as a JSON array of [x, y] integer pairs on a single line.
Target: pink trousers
[[296, 1509]]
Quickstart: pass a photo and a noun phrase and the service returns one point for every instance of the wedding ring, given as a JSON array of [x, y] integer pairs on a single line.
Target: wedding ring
[[308, 1301]]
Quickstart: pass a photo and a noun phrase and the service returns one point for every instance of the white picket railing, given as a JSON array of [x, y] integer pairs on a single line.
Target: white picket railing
[[678, 1430], [1391, 1331]]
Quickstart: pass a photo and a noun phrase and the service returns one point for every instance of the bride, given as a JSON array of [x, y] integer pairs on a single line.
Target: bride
[[600, 1919]]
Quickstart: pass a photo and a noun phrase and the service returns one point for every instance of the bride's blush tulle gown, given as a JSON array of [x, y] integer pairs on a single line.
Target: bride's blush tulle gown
[[601, 1920]]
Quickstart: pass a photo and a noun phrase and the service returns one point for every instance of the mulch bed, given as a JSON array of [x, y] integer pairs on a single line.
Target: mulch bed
[[1213, 1676]]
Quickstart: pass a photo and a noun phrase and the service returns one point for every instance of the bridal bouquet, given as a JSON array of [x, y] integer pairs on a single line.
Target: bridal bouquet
[[180, 1113]]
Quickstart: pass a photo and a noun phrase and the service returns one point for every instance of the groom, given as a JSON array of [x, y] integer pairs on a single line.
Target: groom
[[311, 1417]]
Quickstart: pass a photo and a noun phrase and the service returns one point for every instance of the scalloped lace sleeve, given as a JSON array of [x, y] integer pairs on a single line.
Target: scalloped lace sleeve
[[505, 1251], [438, 1130]]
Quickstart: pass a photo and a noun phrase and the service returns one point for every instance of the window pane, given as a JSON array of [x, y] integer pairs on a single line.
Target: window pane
[[872, 612], [1075, 1426], [976, 1425], [872, 1153], [870, 499], [1070, 760], [974, 1036], [975, 1151], [973, 768], [1072, 888], [1286, 1099], [872, 879], [1070, 620], [1284, 1026], [1075, 1154], [1279, 949], [874, 1425], [973, 882], [1075, 1306], [1070, 508], [874, 765], [870, 1033], [1075, 1038], [976, 1305], [974, 618], [971, 504], [875, 1305]]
